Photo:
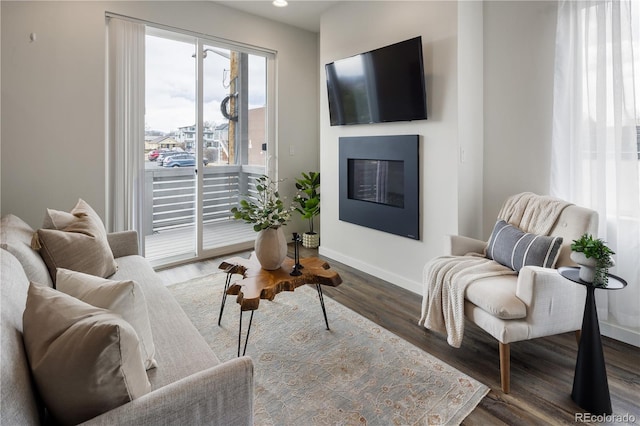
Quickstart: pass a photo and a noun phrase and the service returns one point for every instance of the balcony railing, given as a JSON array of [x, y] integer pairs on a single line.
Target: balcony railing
[[171, 194]]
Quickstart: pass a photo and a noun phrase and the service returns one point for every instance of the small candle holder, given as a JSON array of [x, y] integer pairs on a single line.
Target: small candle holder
[[296, 255]]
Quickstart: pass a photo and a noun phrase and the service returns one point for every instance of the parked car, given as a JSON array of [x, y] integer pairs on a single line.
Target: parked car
[[153, 155], [164, 154], [182, 159]]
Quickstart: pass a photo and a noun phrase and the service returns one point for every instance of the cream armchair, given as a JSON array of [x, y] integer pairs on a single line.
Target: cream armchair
[[537, 302]]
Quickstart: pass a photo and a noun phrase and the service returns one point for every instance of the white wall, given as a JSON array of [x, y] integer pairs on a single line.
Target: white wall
[[53, 94], [354, 27], [519, 50], [489, 69], [470, 118]]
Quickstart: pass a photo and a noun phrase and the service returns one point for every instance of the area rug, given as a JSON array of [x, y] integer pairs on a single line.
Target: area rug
[[357, 373]]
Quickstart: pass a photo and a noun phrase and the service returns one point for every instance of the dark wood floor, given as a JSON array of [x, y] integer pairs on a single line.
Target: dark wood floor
[[541, 369]]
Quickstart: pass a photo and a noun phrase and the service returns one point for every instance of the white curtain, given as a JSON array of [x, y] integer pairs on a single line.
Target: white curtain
[[595, 141], [126, 124]]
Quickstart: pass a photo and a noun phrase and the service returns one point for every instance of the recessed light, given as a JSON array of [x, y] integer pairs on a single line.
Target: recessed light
[[280, 3]]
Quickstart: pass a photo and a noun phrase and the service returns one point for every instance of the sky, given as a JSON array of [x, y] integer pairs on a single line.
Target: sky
[[170, 89]]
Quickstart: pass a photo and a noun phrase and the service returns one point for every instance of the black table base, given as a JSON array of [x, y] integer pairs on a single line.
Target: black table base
[[590, 385]]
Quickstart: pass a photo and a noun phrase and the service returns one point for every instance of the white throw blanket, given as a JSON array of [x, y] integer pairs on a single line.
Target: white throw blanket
[[532, 213], [446, 278]]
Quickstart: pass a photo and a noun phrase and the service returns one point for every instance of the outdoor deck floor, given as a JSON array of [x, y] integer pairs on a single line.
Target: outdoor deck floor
[[178, 241]]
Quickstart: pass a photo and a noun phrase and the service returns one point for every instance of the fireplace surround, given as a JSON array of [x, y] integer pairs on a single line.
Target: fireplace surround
[[379, 183]]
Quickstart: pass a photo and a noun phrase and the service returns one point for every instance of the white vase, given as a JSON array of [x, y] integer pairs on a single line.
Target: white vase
[[587, 273], [271, 248], [310, 240], [587, 266], [587, 270]]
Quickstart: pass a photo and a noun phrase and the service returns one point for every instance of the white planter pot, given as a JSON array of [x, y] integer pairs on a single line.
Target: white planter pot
[[271, 248], [311, 240], [587, 266], [587, 273]]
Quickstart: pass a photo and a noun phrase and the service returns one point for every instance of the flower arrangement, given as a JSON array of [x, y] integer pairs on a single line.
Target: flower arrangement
[[266, 209], [597, 249]]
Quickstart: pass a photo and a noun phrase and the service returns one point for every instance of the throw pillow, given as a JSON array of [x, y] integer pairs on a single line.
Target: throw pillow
[[124, 298], [56, 219], [514, 248], [80, 246], [85, 360], [15, 237]]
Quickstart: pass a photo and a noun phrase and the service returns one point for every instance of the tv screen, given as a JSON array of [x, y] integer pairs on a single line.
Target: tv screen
[[382, 85]]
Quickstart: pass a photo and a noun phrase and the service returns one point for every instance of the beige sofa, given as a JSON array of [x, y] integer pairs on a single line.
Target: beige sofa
[[189, 386]]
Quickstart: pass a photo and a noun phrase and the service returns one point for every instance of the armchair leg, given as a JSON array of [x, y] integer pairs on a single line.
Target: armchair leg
[[505, 367]]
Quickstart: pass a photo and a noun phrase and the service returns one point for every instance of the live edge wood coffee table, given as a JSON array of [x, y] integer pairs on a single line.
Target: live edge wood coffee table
[[258, 283]]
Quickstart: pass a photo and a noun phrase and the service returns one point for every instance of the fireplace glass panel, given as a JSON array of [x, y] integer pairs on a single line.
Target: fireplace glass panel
[[376, 181]]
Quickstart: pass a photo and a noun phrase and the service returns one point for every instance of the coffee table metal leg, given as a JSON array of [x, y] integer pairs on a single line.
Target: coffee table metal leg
[[240, 333], [224, 296], [324, 311]]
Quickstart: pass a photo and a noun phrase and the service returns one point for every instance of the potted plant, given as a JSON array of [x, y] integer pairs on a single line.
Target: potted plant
[[268, 214], [308, 200], [594, 258]]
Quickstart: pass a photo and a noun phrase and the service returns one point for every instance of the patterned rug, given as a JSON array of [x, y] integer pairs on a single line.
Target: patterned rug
[[357, 373]]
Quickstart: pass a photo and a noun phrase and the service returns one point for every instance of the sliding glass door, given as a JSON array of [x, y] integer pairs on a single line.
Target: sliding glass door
[[235, 139], [169, 203], [207, 132]]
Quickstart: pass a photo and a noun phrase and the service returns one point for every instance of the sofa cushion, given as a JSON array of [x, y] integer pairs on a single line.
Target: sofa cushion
[[85, 360], [15, 237], [515, 248], [81, 246], [497, 296], [178, 343], [17, 393], [124, 298]]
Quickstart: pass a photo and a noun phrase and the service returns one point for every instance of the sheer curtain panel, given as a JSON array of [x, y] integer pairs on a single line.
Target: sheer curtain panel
[[126, 40], [595, 141]]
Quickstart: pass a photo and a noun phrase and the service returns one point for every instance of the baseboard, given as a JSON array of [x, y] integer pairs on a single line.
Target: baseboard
[[383, 274], [618, 332]]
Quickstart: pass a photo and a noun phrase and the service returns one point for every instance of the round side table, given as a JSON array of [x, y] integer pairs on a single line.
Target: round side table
[[590, 385]]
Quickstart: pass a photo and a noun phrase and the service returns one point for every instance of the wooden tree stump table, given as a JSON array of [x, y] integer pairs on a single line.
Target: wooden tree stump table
[[258, 283]]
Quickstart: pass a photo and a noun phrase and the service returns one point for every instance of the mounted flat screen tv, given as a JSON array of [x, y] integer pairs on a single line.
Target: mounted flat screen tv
[[382, 85]]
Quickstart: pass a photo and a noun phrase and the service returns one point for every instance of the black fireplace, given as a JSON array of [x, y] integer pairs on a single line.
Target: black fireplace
[[379, 183]]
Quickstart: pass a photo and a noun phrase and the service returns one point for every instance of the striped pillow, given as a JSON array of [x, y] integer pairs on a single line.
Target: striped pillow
[[515, 249]]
